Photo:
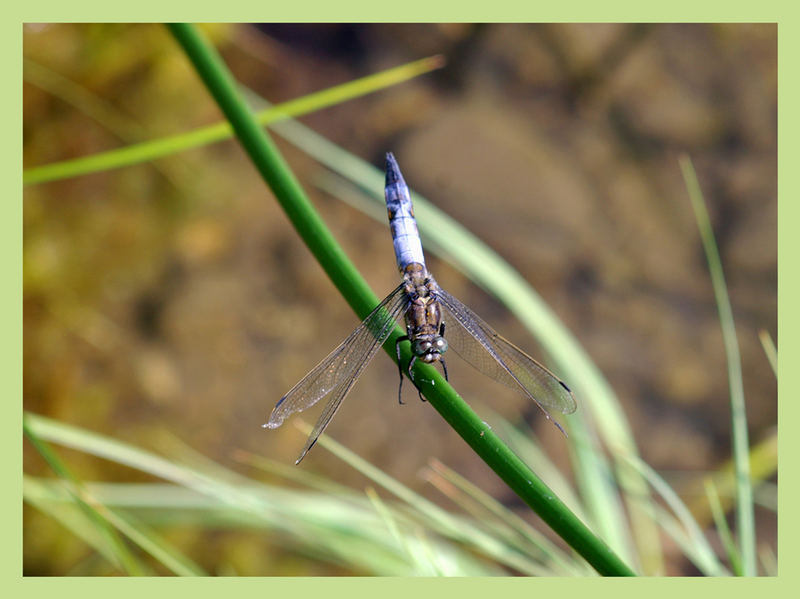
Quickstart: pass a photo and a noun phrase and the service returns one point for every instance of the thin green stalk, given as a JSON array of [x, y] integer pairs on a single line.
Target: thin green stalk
[[741, 445], [722, 526], [332, 258], [165, 146]]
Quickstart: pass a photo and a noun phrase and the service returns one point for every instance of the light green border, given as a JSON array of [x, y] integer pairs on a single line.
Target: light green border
[[408, 10], [11, 299]]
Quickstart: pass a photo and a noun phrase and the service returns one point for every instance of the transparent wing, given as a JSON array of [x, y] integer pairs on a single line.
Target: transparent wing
[[338, 372], [498, 358]]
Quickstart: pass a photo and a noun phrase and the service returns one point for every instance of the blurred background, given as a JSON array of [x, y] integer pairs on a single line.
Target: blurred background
[[172, 302]]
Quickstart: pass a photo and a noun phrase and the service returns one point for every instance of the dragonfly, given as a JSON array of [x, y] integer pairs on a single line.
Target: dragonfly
[[426, 308]]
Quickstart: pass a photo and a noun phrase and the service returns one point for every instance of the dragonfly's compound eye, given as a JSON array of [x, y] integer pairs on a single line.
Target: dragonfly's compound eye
[[421, 347], [440, 345]]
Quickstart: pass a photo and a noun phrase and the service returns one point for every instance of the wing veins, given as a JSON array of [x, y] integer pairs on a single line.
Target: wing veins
[[342, 367], [512, 366]]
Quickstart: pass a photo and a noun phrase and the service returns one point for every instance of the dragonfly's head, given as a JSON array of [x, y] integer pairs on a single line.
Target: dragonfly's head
[[429, 350]]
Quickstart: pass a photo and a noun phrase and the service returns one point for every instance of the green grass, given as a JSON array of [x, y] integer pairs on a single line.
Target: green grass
[[741, 445], [173, 144]]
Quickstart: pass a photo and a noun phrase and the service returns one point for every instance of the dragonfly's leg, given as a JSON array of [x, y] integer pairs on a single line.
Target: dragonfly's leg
[[411, 375], [444, 368], [400, 366], [410, 368]]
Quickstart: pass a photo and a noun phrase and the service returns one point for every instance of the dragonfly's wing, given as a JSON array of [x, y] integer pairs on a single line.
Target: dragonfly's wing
[[337, 373], [498, 358]]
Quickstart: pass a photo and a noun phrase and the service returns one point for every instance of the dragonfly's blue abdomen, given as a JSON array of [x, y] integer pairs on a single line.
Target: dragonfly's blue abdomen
[[407, 244]]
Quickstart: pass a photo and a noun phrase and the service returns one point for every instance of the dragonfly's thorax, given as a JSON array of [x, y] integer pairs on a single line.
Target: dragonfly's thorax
[[423, 315]]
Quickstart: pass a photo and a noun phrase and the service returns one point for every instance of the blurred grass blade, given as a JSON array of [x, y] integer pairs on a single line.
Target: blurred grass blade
[[391, 524], [165, 146], [147, 539], [81, 99], [56, 503], [523, 443], [596, 485], [515, 528], [424, 566], [121, 453], [723, 530], [741, 446], [434, 516], [763, 465], [115, 451], [708, 564], [343, 274], [317, 482], [699, 549], [467, 253], [63, 508], [302, 476], [769, 561], [769, 349], [342, 530], [123, 557], [122, 126], [353, 539], [766, 496]]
